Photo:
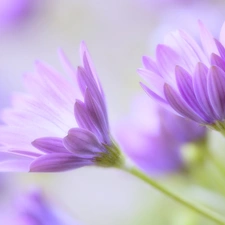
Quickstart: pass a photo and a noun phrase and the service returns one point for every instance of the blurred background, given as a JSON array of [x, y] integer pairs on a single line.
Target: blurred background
[[118, 34]]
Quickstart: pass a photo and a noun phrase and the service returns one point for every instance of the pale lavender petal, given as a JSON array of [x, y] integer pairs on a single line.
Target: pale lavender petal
[[185, 86], [216, 90], [153, 94], [48, 82], [183, 49], [25, 153], [195, 47], [10, 162], [82, 143], [200, 89], [222, 34], [88, 64], [81, 80], [66, 63], [49, 145], [207, 40], [175, 100], [167, 58], [155, 81], [149, 64], [57, 162]]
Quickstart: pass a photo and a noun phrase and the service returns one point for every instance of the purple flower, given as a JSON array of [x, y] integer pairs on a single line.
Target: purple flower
[[34, 209], [50, 130], [12, 11], [152, 137], [188, 79]]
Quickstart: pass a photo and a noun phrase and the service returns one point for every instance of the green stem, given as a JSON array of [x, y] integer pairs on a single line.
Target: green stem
[[197, 208], [217, 164]]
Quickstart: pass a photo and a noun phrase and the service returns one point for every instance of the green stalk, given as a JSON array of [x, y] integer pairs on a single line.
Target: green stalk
[[213, 216]]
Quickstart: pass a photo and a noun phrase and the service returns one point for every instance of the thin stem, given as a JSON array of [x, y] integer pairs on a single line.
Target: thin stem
[[197, 208]]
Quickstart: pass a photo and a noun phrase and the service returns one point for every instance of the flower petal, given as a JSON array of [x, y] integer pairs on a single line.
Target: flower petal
[[185, 86], [220, 48], [179, 105], [57, 162], [217, 61], [153, 94], [222, 34], [155, 81], [167, 58], [97, 114], [200, 89], [216, 90], [195, 47], [82, 143], [149, 64], [184, 50], [49, 144], [207, 40], [10, 162], [86, 81], [83, 118]]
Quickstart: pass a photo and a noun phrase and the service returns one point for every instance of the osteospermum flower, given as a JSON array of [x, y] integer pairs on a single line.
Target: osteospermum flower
[[189, 79], [153, 137], [49, 130]]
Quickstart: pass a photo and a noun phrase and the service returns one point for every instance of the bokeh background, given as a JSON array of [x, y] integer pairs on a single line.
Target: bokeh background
[[117, 33]]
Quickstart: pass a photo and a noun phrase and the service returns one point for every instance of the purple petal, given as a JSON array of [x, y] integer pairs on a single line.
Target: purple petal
[[185, 86], [82, 143], [200, 89], [49, 145], [98, 116], [220, 48], [88, 64], [179, 105], [83, 118], [216, 90], [57, 162], [85, 82], [217, 61], [160, 100]]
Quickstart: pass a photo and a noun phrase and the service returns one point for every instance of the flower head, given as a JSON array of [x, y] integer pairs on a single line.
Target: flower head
[[153, 137], [33, 208], [13, 11], [188, 79], [52, 130]]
